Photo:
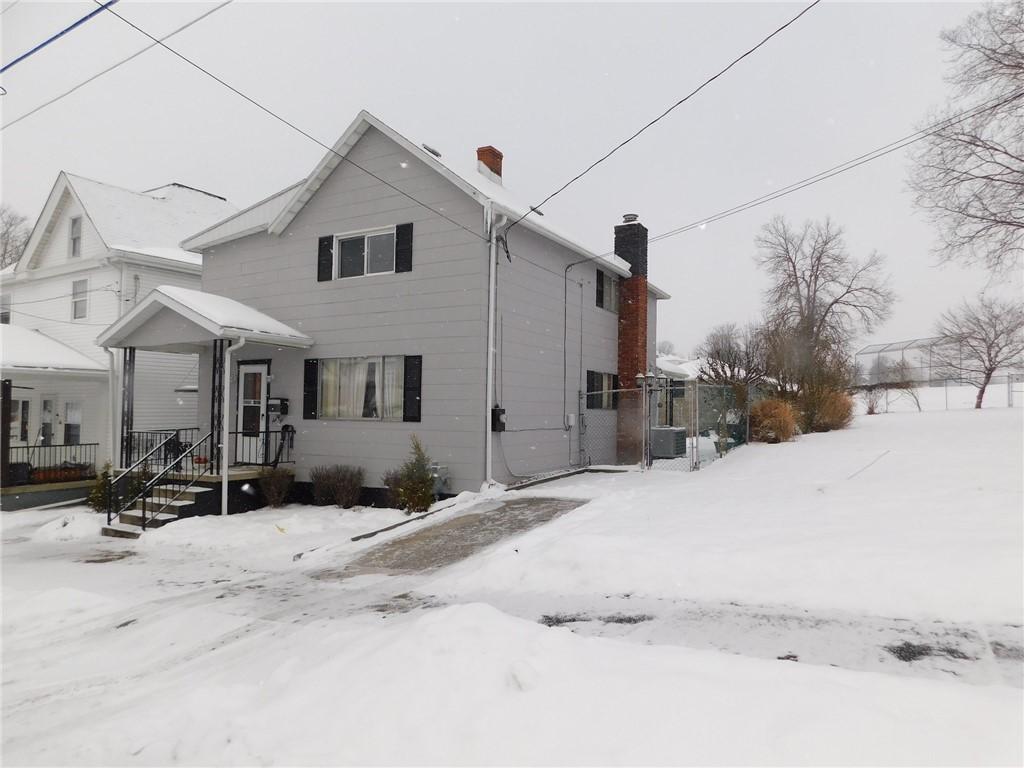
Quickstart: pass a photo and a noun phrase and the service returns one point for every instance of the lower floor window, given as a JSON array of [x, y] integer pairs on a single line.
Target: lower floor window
[[602, 390], [362, 388], [72, 422]]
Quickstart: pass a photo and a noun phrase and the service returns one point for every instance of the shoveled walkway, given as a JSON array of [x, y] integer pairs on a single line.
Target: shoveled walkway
[[456, 539]]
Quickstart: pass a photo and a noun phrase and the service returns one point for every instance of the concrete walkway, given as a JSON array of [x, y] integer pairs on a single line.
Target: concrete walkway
[[453, 540]]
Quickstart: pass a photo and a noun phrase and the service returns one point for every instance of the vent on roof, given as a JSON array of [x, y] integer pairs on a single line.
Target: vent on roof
[[431, 150]]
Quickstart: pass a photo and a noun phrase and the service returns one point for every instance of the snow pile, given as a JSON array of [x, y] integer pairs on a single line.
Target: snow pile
[[902, 515], [80, 524]]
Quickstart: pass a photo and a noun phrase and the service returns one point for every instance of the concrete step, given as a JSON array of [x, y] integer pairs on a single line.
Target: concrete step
[[153, 504], [134, 518], [122, 531], [188, 494]]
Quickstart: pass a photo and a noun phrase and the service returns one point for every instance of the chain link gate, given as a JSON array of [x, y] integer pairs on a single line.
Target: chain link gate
[[664, 424]]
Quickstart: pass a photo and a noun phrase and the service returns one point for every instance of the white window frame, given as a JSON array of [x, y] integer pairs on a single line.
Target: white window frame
[[365, 234], [378, 384], [72, 239], [84, 298]]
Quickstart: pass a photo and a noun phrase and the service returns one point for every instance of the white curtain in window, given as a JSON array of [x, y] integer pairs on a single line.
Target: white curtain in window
[[393, 388]]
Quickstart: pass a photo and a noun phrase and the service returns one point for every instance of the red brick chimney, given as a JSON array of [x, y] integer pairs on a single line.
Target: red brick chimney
[[631, 246], [489, 162]]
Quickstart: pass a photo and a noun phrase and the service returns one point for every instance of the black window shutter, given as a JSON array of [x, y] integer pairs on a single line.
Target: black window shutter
[[413, 386], [403, 250], [325, 259], [615, 390], [600, 288], [593, 398], [310, 389]]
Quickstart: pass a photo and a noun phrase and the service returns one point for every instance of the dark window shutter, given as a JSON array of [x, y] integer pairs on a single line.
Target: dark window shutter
[[325, 259], [615, 390], [600, 288], [413, 386], [403, 249], [311, 389]]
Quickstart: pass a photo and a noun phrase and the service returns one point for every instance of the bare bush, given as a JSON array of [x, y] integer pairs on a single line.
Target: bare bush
[[275, 483], [834, 412], [772, 421]]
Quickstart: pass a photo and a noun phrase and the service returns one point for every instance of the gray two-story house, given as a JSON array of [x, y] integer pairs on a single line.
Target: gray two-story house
[[384, 296]]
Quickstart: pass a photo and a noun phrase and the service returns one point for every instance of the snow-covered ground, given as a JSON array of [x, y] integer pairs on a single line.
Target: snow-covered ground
[[755, 612]]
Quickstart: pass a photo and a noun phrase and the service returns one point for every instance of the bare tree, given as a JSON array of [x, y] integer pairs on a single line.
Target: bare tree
[[820, 296], [899, 376], [14, 232], [666, 347], [968, 175], [733, 355], [979, 338]]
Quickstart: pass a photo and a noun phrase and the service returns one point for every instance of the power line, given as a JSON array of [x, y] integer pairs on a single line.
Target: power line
[[848, 165], [664, 114], [111, 68], [290, 124], [62, 296], [5, 10], [61, 322], [53, 38]]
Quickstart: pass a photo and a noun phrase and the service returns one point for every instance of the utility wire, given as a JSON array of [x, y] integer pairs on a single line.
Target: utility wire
[[687, 97], [5, 10], [848, 165], [53, 38], [290, 124], [111, 68], [62, 296], [60, 322]]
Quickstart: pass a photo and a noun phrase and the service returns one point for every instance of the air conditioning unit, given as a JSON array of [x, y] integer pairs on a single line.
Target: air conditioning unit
[[668, 442]]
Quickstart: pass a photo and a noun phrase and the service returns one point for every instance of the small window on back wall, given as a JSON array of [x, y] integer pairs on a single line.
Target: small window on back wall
[[5, 310], [602, 390], [607, 291], [371, 253], [79, 299], [75, 238]]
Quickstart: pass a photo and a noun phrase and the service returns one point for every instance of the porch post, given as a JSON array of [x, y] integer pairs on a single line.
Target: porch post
[[6, 387], [225, 424], [127, 405]]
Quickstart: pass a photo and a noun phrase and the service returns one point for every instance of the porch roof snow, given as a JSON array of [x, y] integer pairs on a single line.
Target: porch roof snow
[[218, 316], [22, 349]]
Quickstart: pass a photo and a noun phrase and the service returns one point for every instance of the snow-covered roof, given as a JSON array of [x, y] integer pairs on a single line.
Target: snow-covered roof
[[273, 214], [216, 316], [22, 349], [678, 367], [151, 223]]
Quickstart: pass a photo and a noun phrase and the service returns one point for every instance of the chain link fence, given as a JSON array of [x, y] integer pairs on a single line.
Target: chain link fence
[[670, 425]]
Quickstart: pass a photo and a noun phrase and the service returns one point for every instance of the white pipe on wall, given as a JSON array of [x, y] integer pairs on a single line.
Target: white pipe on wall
[[225, 424], [493, 223]]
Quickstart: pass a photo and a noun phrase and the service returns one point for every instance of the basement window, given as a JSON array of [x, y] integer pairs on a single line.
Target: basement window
[[371, 253]]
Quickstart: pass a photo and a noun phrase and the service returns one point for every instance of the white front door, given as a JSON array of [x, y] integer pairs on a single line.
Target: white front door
[[251, 414]]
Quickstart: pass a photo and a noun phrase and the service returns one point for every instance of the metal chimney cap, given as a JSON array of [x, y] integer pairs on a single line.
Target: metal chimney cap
[[630, 218]]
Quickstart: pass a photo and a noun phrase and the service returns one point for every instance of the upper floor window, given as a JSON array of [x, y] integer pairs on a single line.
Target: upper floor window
[[5, 310], [607, 291], [75, 237], [370, 253], [79, 299]]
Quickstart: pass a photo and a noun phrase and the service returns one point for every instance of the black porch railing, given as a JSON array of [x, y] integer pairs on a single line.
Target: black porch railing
[[38, 464], [154, 488], [172, 442], [266, 448]]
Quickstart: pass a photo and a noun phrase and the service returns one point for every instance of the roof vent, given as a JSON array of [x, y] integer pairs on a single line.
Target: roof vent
[[431, 150], [630, 218]]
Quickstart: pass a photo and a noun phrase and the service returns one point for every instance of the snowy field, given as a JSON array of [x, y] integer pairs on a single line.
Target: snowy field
[[849, 598]]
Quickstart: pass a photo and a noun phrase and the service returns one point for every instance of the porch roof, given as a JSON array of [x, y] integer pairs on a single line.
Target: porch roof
[[173, 319], [22, 349]]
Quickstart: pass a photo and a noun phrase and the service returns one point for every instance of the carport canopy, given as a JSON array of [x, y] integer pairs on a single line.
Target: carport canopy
[[184, 320]]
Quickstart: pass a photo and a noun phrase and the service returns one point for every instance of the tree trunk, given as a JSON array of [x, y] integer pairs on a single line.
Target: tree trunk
[[981, 390]]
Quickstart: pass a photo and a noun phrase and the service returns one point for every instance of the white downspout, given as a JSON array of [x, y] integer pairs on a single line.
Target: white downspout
[[112, 404], [492, 288], [225, 430]]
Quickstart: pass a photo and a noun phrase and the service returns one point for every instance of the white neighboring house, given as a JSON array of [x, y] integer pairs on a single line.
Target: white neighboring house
[[94, 253]]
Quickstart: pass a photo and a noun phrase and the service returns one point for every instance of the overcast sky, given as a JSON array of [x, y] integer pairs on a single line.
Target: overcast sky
[[553, 87]]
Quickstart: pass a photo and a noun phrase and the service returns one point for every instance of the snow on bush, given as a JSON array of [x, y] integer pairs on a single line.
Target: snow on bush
[[71, 525]]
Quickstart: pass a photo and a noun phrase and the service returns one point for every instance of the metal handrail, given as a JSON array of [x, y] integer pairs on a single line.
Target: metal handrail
[[144, 459], [156, 478]]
